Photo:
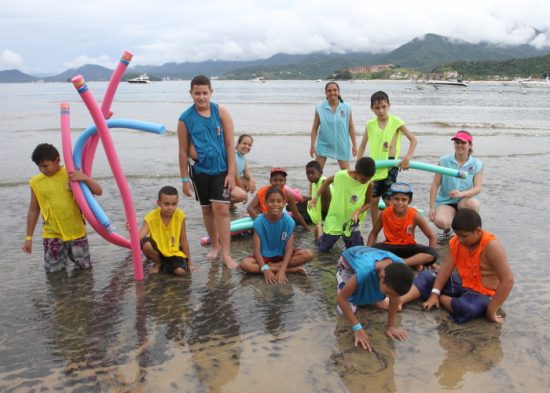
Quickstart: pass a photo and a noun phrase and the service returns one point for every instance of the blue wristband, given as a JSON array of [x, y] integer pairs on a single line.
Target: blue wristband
[[357, 327], [184, 179], [265, 267]]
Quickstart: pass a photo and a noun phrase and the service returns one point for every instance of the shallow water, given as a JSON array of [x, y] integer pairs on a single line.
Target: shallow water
[[222, 331]]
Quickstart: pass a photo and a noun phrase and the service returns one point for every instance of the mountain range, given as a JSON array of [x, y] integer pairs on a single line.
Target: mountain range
[[422, 54]]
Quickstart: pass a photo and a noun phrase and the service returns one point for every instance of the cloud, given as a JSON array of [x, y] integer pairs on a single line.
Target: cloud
[[81, 60], [184, 30], [10, 60]]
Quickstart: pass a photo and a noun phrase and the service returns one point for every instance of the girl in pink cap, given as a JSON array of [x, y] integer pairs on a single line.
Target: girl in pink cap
[[449, 194]]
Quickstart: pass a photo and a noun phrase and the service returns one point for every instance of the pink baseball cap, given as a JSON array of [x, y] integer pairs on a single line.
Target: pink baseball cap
[[464, 136]]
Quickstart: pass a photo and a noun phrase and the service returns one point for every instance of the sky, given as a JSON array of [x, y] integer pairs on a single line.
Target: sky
[[47, 37]]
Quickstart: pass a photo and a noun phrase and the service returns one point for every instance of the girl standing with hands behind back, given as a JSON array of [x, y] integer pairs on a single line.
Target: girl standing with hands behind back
[[333, 129]]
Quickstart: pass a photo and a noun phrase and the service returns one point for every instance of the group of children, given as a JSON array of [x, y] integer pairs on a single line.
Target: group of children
[[379, 273]]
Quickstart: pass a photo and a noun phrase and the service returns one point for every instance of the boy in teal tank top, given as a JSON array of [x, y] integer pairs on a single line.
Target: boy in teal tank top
[[350, 200], [384, 136]]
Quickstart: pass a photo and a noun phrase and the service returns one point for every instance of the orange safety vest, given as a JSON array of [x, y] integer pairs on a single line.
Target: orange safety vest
[[468, 263], [398, 230]]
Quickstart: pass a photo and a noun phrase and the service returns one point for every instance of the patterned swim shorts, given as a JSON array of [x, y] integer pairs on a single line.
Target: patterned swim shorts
[[57, 251]]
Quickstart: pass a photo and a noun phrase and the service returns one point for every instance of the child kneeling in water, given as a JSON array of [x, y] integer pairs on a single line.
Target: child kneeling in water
[[273, 242]]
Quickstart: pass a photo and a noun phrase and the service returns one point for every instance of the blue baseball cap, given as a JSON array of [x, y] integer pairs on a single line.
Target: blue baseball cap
[[401, 188]]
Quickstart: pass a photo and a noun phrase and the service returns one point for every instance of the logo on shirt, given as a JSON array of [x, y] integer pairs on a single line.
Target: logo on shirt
[[471, 170], [284, 236], [342, 113], [386, 146], [410, 229], [354, 198]]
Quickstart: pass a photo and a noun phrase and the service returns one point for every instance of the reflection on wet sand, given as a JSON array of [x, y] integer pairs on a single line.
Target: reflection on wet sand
[[360, 370], [470, 348]]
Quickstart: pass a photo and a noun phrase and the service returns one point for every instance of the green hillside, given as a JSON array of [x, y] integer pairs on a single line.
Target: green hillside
[[537, 67]]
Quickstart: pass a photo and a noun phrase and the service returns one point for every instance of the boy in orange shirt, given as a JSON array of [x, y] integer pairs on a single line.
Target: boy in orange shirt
[[399, 221], [482, 280]]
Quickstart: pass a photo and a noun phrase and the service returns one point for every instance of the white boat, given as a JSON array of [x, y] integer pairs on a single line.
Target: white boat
[[421, 84], [258, 79], [143, 78], [516, 82], [536, 83]]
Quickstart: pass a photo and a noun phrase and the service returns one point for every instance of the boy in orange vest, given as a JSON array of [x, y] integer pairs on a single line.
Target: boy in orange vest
[[399, 221], [483, 279]]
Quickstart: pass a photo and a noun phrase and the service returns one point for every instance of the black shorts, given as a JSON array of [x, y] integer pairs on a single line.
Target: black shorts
[[408, 250], [167, 264], [382, 187], [210, 188]]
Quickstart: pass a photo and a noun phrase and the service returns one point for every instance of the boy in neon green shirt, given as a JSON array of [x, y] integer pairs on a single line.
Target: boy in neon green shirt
[[167, 245], [64, 230], [351, 196], [384, 136]]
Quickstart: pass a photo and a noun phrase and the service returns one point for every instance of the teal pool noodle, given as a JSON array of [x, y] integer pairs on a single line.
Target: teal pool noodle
[[422, 166], [241, 224]]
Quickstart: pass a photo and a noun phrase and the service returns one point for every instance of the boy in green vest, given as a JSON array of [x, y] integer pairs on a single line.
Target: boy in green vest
[[384, 136], [351, 195], [64, 230]]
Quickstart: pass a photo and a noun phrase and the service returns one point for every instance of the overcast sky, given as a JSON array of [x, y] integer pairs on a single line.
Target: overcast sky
[[41, 36]]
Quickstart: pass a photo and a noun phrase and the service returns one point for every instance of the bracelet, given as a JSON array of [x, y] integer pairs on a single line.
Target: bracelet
[[265, 267], [436, 291], [28, 237], [357, 327], [185, 180]]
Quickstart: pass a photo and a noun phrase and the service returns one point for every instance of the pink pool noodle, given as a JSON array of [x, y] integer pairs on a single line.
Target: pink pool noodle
[[112, 157], [91, 146]]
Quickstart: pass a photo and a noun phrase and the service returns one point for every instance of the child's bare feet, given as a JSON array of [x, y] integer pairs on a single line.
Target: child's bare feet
[[297, 270], [213, 253], [229, 262], [155, 269]]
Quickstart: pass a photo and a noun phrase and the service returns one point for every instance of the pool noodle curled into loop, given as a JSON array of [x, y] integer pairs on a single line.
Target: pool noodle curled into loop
[[76, 187], [112, 157], [79, 151]]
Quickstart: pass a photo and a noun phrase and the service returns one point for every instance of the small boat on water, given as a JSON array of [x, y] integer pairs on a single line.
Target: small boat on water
[[422, 84], [258, 79], [143, 78], [518, 82], [536, 83]]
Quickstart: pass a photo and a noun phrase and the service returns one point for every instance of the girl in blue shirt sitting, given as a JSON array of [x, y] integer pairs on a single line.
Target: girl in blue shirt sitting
[[273, 243]]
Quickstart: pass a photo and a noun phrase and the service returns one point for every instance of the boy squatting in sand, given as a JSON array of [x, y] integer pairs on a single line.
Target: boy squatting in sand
[[167, 244], [483, 279], [365, 276]]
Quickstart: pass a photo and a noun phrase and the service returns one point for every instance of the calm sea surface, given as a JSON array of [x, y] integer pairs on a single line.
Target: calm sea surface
[[222, 331]]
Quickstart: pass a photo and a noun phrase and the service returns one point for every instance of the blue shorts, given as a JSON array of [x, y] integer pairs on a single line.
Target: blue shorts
[[326, 241], [466, 303]]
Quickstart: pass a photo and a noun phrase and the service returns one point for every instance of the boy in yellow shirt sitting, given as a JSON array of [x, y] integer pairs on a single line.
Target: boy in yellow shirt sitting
[[167, 244]]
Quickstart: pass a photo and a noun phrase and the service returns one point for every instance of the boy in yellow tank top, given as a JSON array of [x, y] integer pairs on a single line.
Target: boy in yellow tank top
[[63, 230], [166, 244], [383, 133]]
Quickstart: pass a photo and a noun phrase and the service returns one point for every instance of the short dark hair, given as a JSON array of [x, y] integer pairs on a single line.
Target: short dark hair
[[315, 165], [467, 220], [44, 152], [378, 97], [167, 190], [201, 80], [274, 190], [365, 166], [398, 277], [242, 136]]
